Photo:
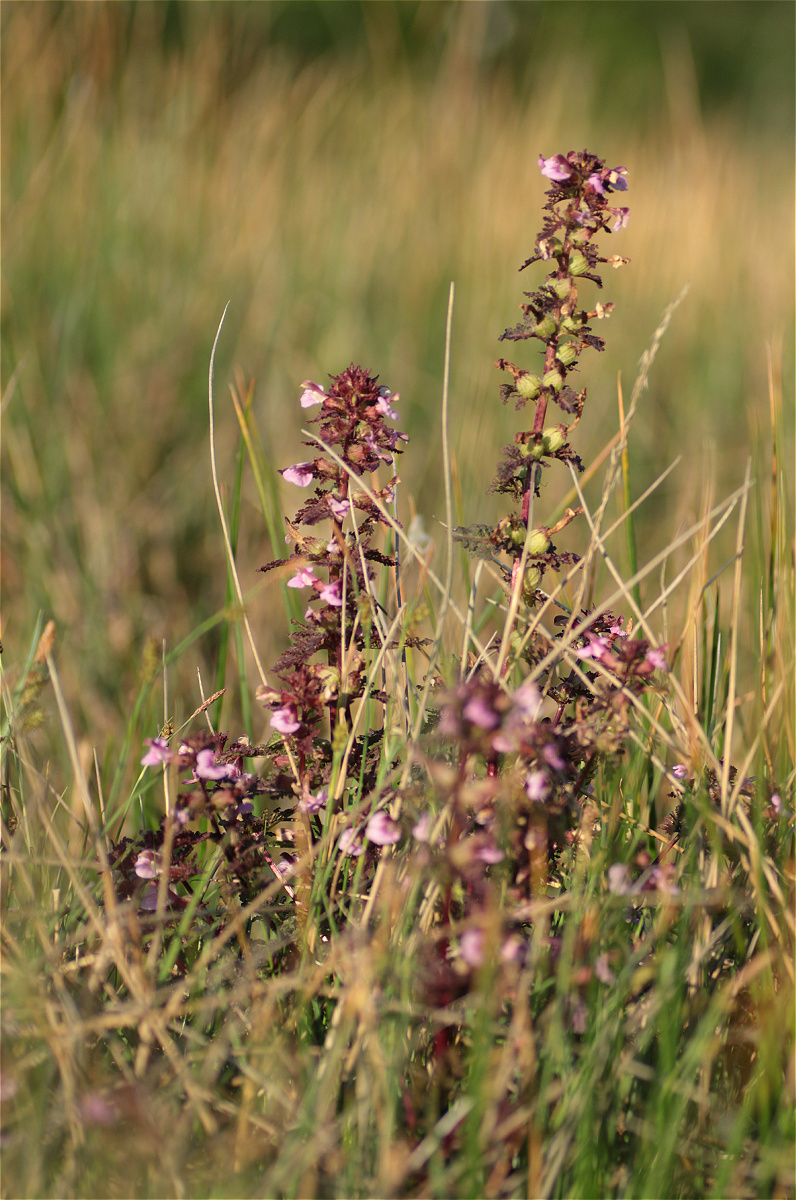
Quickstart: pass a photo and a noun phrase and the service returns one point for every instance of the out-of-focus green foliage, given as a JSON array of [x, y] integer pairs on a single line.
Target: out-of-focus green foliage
[[329, 168]]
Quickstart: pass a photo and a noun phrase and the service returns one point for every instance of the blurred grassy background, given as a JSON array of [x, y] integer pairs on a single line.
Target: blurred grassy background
[[330, 167]]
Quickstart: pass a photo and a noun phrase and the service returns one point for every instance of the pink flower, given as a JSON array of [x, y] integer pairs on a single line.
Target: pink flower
[[618, 879], [285, 719], [312, 804], [382, 830], [147, 865], [302, 474], [158, 752], [527, 700], [617, 178], [96, 1109], [595, 182], [536, 785], [332, 593], [479, 713], [383, 406], [339, 507], [489, 854], [603, 970], [553, 758], [351, 844], [422, 830], [556, 168], [680, 771], [312, 394], [598, 647], [471, 947], [206, 767], [622, 217], [657, 659], [304, 577]]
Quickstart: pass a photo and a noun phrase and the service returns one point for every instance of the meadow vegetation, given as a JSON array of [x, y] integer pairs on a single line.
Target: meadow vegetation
[[398, 779]]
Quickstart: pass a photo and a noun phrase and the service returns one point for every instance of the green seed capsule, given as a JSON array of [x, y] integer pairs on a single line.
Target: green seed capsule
[[571, 324], [567, 354], [577, 263], [529, 386], [554, 379], [545, 329], [530, 583], [562, 288], [538, 542], [553, 438]]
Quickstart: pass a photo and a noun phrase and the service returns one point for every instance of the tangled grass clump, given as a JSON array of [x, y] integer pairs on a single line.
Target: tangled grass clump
[[511, 924]]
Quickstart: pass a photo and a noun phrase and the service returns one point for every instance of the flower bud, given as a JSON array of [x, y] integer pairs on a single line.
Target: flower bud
[[553, 438], [553, 379], [529, 386], [566, 354], [577, 263]]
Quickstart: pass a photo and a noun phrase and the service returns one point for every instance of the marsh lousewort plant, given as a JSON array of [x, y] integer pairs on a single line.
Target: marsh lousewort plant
[[451, 873]]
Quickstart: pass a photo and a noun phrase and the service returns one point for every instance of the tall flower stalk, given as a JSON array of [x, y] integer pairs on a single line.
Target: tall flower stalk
[[578, 208]]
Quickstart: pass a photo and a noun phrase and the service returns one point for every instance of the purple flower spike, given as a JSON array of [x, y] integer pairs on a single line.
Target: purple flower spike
[[158, 752], [302, 474], [556, 168], [304, 577], [285, 719], [312, 394], [206, 767], [382, 830]]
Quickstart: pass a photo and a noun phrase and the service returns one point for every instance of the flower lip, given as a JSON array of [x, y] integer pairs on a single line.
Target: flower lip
[[158, 752], [302, 474], [556, 168], [207, 768], [382, 830], [312, 394], [339, 507], [304, 577], [285, 719]]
